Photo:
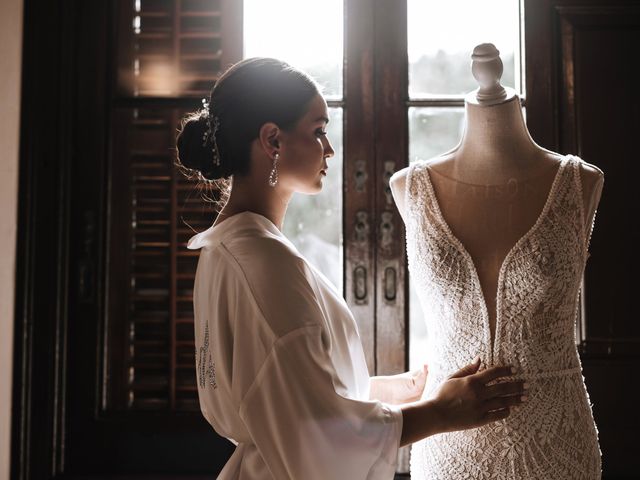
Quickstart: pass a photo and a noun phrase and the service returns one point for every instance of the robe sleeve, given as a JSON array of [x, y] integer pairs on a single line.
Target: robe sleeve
[[303, 429]]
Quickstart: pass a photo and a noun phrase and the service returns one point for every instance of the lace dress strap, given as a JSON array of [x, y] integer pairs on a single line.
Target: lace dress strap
[[577, 182], [416, 192], [408, 190], [587, 227]]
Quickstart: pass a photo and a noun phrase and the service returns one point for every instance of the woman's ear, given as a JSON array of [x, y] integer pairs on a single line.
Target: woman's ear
[[269, 138]]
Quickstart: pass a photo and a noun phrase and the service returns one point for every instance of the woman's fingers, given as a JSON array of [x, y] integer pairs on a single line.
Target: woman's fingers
[[505, 388], [494, 373], [467, 370], [496, 415], [420, 374], [414, 383], [419, 377], [499, 403]]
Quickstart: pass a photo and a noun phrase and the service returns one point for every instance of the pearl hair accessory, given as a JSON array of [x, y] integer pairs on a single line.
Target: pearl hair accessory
[[273, 176], [209, 134]]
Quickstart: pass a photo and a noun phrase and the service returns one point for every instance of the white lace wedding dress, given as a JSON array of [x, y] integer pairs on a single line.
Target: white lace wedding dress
[[553, 435]]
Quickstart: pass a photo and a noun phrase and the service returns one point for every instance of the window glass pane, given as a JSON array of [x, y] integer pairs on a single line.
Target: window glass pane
[[431, 131], [314, 222], [304, 33], [442, 35]]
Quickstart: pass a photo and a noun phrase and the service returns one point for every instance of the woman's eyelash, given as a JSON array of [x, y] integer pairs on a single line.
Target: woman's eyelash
[[321, 132]]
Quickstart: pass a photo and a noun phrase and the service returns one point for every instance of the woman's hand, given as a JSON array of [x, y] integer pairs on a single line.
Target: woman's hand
[[467, 399], [397, 389], [413, 386]]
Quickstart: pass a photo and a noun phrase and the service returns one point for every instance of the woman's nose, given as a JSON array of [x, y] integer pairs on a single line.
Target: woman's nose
[[328, 149]]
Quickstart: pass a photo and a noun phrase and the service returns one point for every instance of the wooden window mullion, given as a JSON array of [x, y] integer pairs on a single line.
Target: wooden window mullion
[[391, 143], [359, 172]]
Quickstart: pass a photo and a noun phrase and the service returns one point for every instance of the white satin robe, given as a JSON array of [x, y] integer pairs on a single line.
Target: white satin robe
[[280, 367]]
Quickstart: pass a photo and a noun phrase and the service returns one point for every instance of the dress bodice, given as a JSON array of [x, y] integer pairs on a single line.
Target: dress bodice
[[536, 308]]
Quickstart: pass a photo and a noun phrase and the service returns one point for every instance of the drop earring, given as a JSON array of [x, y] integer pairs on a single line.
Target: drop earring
[[273, 176]]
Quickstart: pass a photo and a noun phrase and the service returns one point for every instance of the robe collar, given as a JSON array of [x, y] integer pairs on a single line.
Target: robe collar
[[240, 221]]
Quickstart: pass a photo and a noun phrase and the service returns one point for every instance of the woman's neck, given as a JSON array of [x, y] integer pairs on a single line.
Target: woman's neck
[[249, 195]]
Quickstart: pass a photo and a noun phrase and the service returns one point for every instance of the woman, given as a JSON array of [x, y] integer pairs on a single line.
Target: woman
[[281, 370]]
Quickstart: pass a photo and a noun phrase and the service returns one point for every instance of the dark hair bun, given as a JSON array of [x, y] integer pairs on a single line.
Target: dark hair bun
[[192, 154], [245, 97]]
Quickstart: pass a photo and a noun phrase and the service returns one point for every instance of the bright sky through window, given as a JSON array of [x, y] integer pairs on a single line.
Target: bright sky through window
[[442, 35], [459, 25], [303, 33]]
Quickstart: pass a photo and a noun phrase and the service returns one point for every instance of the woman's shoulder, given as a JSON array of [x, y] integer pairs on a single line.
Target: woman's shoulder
[[259, 250], [266, 269], [251, 242], [278, 280]]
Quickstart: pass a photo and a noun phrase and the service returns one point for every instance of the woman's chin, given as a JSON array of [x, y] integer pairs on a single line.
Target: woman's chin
[[317, 188], [312, 189], [320, 182]]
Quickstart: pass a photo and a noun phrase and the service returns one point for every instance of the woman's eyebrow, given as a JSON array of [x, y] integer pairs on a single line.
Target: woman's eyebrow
[[325, 119]]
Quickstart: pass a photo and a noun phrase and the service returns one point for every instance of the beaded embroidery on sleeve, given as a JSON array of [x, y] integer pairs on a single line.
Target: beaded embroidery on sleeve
[[204, 363]]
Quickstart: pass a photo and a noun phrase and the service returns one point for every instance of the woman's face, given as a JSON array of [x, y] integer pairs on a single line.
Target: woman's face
[[304, 150]]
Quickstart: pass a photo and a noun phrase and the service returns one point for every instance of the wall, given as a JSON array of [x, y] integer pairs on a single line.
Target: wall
[[10, 70]]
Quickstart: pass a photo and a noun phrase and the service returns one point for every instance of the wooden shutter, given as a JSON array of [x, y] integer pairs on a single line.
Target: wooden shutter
[[155, 208], [170, 52], [176, 47]]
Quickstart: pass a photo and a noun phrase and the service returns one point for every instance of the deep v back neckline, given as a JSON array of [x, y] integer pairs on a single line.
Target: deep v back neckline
[[493, 343]]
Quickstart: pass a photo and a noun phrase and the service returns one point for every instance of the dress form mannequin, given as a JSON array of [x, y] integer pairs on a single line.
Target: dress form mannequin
[[492, 187]]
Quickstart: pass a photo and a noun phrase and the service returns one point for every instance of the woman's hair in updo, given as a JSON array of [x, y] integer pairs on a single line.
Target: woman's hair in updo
[[248, 95]]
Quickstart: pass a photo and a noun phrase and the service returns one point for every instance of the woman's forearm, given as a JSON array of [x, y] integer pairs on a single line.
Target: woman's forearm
[[420, 420]]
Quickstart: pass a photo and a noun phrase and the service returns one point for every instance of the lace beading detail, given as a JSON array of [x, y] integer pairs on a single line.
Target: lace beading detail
[[553, 435], [205, 365]]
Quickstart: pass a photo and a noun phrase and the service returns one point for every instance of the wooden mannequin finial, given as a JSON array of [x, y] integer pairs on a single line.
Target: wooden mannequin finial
[[487, 69]]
